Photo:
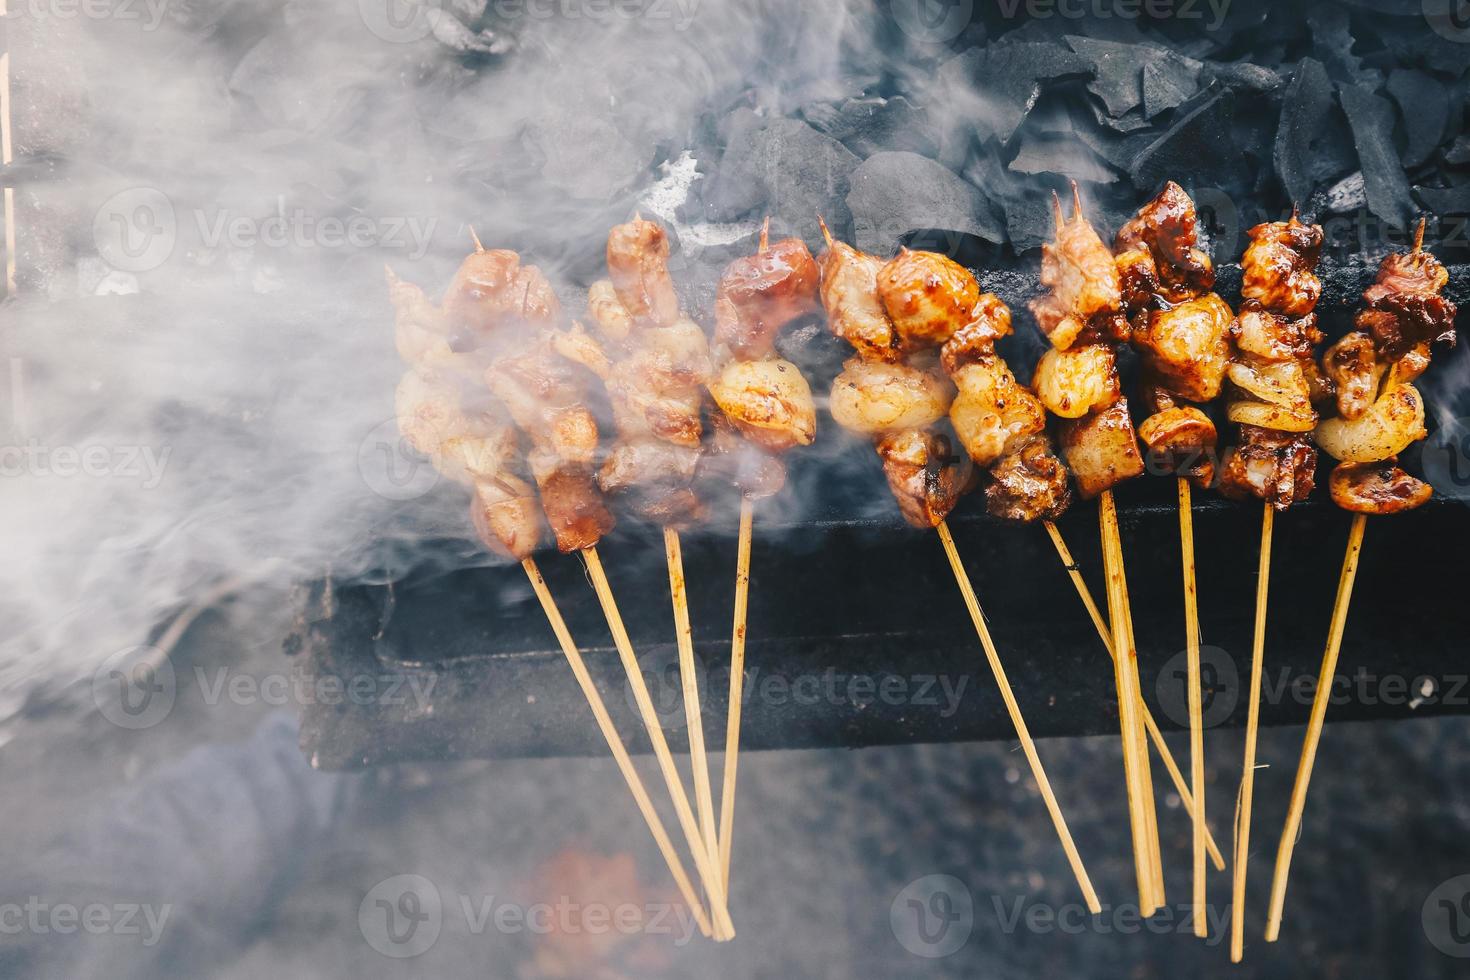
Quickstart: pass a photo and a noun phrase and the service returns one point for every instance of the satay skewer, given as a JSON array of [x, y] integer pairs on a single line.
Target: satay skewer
[[615, 744], [1028, 745], [737, 687], [1195, 698], [1155, 734], [1371, 483]]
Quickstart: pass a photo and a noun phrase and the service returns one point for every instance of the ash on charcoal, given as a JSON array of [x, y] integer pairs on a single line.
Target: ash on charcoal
[[1241, 76], [782, 167], [1312, 142], [1425, 106], [1166, 84], [991, 89], [871, 125], [1344, 197], [1371, 119], [1445, 200], [1458, 153], [1118, 71], [895, 193], [1066, 156], [1202, 142]]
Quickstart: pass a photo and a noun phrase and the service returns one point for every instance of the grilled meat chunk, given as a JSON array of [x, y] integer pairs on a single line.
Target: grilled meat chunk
[[1158, 253], [1376, 488], [855, 311], [874, 397], [927, 296], [1101, 449], [1028, 483], [1073, 382], [925, 474], [1279, 267], [638, 266], [1352, 366], [1181, 440], [993, 411], [759, 294], [768, 401], [1184, 347], [1081, 278], [492, 290], [1278, 467]]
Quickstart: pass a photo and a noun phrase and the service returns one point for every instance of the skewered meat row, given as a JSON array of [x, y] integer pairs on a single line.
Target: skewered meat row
[[1178, 327], [1379, 412], [1077, 379], [1272, 374], [763, 397], [893, 391], [504, 315], [655, 363]]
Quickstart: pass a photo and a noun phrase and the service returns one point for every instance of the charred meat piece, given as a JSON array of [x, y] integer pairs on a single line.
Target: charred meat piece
[[1158, 252], [1271, 337], [1278, 269], [1376, 488], [1028, 483], [1277, 467], [1405, 309], [768, 401], [655, 479], [1352, 366], [925, 474], [759, 294], [638, 266], [855, 311], [729, 460], [1081, 276], [1101, 449], [492, 290], [927, 296], [1181, 440], [993, 411], [1184, 347]]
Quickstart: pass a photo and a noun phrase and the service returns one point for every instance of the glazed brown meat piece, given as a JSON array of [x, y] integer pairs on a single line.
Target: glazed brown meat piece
[[1181, 440], [1028, 483], [1351, 365], [1158, 251], [1081, 278], [759, 294], [1101, 449], [925, 474], [638, 267], [492, 289], [1376, 488], [1278, 467], [1278, 269], [1184, 347], [855, 312], [927, 296], [656, 478]]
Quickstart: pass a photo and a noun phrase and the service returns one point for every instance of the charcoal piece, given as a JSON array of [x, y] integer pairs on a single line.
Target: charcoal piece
[[1241, 76], [1425, 105], [1201, 142], [1445, 200], [1458, 152], [991, 89], [1118, 70], [1332, 39], [1166, 85], [1346, 196], [1118, 149], [895, 193], [781, 167], [867, 126], [582, 154], [1131, 121], [1371, 119], [1063, 155], [1312, 142]]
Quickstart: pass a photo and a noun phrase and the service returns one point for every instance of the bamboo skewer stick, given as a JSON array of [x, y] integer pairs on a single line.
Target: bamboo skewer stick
[[709, 874], [1196, 705], [1314, 726], [972, 603], [1253, 718], [698, 759], [737, 689], [615, 743], [1154, 733], [7, 156], [1135, 753]]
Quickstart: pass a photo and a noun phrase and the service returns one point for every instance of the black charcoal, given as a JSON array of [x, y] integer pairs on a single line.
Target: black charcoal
[[1241, 76], [1118, 149], [781, 167], [1312, 144], [991, 89], [1165, 86], [1131, 121], [1371, 119], [1333, 42], [1424, 104], [1458, 152], [867, 126], [1345, 196], [1200, 143], [896, 193], [1029, 221], [1065, 156], [582, 154], [1445, 200], [1118, 71]]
